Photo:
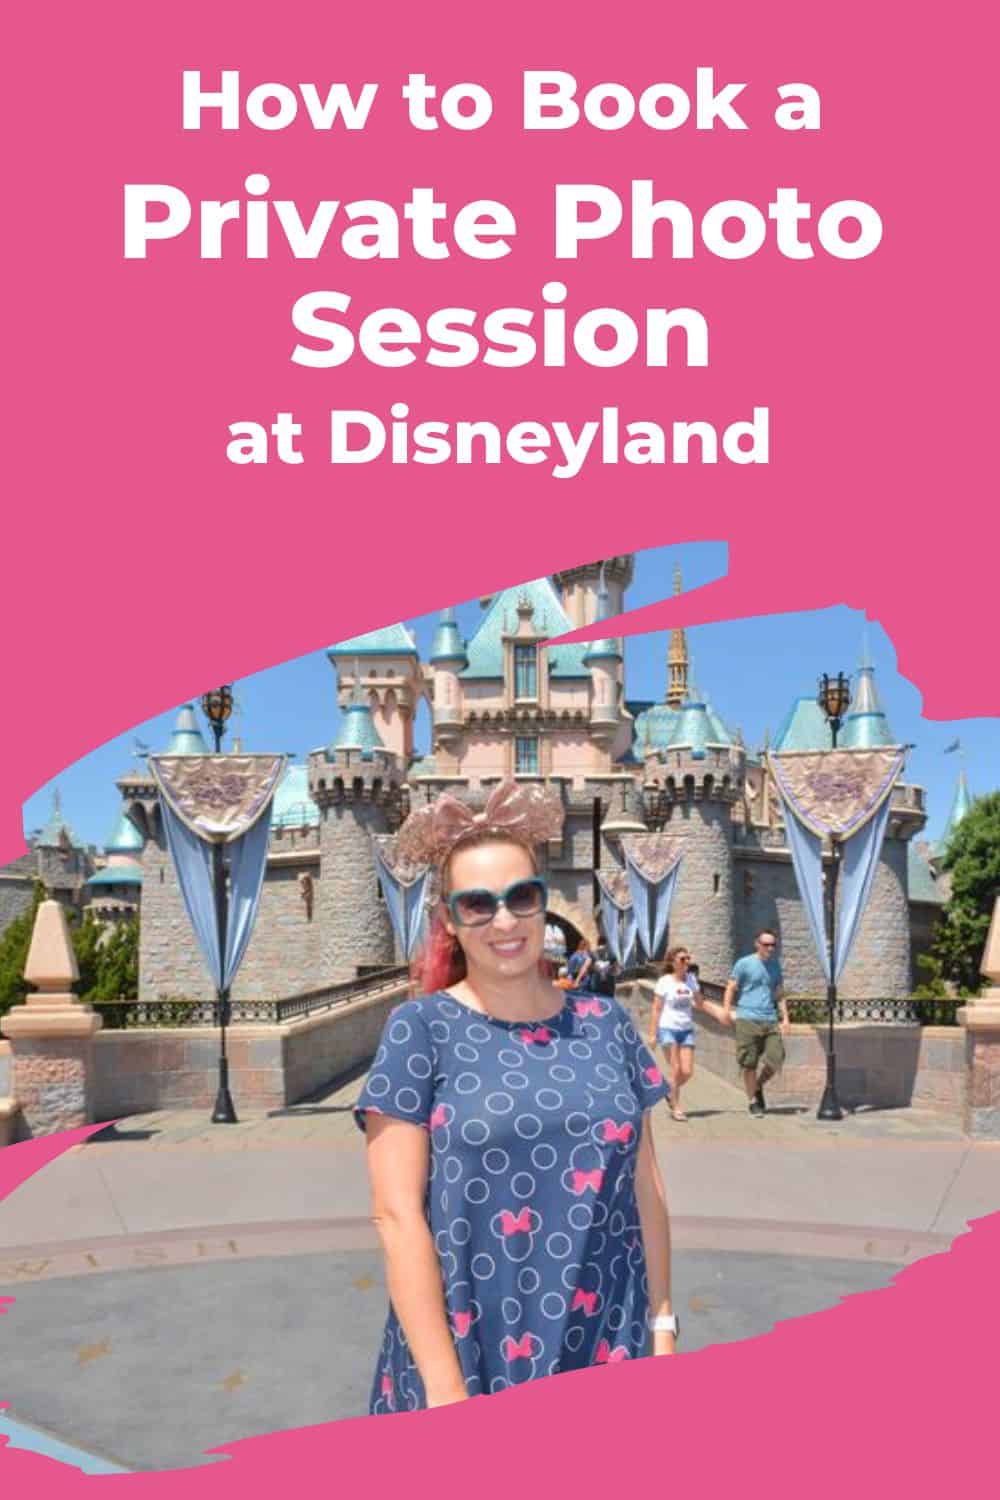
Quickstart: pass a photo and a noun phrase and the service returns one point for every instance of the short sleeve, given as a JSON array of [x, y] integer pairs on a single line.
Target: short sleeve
[[647, 1082], [401, 1080], [737, 971], [662, 985]]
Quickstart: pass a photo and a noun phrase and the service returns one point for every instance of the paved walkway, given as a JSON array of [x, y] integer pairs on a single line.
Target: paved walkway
[[246, 1293]]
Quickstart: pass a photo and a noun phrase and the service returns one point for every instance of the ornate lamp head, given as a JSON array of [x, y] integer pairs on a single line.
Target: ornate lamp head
[[834, 696], [217, 706]]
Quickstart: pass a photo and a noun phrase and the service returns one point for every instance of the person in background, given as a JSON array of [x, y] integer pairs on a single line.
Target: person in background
[[604, 972], [757, 987], [675, 998], [579, 966]]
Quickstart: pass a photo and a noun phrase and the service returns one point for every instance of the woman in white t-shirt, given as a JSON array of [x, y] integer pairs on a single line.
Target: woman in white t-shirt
[[675, 999]]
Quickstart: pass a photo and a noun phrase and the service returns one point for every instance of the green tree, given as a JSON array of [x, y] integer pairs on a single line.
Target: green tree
[[118, 963], [86, 935], [14, 945], [973, 861]]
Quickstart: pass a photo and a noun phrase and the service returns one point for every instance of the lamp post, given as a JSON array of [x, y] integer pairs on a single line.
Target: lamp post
[[834, 698], [217, 706]]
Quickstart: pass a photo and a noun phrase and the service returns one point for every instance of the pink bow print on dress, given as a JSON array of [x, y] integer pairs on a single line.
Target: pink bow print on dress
[[653, 1075], [541, 1034], [463, 1322], [584, 1180], [586, 1300], [613, 1132], [439, 1117], [513, 1349], [519, 1225], [588, 1007], [607, 1356]]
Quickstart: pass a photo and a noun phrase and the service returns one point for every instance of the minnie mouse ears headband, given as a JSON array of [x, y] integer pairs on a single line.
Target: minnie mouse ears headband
[[533, 814]]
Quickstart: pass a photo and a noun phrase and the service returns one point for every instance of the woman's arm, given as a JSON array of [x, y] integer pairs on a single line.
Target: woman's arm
[[655, 1222], [654, 1016], [398, 1158]]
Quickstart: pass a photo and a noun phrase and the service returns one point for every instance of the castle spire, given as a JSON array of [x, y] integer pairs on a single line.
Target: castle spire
[[678, 659], [607, 649], [961, 803], [866, 726]]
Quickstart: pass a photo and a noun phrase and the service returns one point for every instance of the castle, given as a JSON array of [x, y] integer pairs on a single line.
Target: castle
[[505, 703]]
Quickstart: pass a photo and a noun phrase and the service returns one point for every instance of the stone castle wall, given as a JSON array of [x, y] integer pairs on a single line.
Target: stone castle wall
[[766, 896], [702, 911], [350, 910]]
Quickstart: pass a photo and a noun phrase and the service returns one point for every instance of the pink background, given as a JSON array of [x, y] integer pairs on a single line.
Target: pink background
[[142, 566]]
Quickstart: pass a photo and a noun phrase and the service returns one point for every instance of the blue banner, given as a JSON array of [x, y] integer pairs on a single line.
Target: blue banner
[[651, 901], [246, 857], [406, 903]]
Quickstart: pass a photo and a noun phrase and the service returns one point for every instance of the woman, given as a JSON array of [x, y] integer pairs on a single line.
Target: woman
[[515, 1189], [676, 996], [579, 968]]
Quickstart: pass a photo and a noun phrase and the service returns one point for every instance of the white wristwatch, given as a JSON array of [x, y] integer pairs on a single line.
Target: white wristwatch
[[665, 1323]]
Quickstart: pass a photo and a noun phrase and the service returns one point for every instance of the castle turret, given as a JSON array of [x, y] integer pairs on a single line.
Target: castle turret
[[603, 659], [170, 963], [448, 658], [356, 784], [387, 663], [578, 588], [691, 787]]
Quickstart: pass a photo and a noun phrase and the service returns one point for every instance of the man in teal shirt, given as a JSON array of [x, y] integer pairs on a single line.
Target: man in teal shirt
[[757, 986]]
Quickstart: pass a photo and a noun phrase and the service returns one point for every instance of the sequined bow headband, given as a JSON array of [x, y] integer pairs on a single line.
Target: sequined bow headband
[[533, 814]]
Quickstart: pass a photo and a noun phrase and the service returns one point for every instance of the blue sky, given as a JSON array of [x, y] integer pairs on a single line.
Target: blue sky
[[752, 670]]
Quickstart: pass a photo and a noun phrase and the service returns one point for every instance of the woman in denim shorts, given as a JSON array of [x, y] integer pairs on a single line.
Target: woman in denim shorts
[[675, 999]]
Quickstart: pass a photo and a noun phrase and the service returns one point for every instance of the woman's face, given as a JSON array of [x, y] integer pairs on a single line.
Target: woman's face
[[508, 946], [681, 961]]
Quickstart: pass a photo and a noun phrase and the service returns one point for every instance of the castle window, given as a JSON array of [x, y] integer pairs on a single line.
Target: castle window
[[747, 884], [525, 672], [526, 755], [716, 881]]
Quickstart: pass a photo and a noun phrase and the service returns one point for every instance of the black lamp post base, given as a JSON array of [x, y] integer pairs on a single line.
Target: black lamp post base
[[829, 1105], [224, 1112]]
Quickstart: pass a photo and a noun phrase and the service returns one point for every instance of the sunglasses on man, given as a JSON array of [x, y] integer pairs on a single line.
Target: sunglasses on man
[[477, 907]]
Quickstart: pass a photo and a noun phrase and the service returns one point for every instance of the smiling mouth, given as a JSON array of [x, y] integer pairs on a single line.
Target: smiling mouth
[[509, 948]]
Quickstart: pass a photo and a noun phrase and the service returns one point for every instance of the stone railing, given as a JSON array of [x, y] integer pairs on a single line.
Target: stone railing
[[176, 1011]]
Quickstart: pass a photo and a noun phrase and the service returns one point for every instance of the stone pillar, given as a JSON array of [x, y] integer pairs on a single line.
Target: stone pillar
[[981, 1019], [52, 1034]]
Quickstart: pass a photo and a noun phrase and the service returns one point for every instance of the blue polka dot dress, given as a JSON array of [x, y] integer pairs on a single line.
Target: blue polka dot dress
[[534, 1131]]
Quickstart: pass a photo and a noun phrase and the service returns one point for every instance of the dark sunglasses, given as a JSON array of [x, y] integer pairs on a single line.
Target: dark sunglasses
[[475, 908]]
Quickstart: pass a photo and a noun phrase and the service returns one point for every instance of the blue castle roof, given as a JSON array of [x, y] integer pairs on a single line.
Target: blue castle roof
[[961, 803], [485, 649], [391, 640], [56, 828], [125, 838], [293, 806], [805, 727], [187, 738], [117, 875], [448, 644]]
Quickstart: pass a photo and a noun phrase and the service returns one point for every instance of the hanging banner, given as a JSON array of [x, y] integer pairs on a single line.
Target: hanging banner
[[857, 874], [616, 900], [807, 859], [218, 797], [630, 934], [652, 864], [835, 792], [406, 888], [843, 795], [237, 807]]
